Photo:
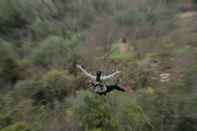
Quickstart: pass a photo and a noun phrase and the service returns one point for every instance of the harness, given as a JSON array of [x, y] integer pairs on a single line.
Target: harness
[[99, 87]]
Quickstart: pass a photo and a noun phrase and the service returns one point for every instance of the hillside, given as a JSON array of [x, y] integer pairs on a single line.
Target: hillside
[[152, 42]]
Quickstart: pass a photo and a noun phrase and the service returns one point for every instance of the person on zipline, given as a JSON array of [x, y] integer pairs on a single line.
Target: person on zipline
[[97, 83]]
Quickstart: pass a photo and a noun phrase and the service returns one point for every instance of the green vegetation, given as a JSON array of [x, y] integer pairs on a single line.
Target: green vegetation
[[41, 41]]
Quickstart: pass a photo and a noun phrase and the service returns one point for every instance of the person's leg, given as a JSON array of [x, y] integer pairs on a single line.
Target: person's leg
[[119, 88], [114, 87]]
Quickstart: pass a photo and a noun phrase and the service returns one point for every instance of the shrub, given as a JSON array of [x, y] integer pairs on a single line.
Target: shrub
[[113, 112], [27, 88], [43, 28], [17, 127], [55, 52], [5, 120], [93, 114], [58, 83], [51, 52], [147, 13], [54, 86], [130, 17], [10, 18], [8, 63], [190, 77]]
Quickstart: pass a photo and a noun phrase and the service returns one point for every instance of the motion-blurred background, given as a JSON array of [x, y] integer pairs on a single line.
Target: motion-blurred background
[[152, 42]]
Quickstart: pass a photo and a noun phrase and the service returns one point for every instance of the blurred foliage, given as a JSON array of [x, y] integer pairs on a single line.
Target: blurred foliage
[[96, 113], [41, 41], [8, 62], [9, 17], [5, 120], [54, 52], [16, 127]]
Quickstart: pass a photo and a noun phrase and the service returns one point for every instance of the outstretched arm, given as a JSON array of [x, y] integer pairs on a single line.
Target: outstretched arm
[[110, 76], [85, 72]]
